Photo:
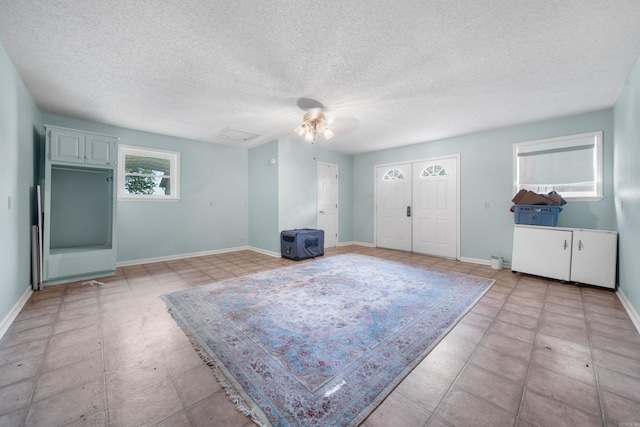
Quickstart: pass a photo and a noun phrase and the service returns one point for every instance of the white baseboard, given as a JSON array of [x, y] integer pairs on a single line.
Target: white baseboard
[[633, 314], [181, 256], [15, 310], [369, 245], [265, 252], [483, 261]]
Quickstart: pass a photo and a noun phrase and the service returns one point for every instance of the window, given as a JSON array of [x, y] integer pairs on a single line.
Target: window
[[570, 165], [433, 170], [145, 174], [392, 175]]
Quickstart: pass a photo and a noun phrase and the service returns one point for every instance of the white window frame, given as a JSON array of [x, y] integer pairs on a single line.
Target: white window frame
[[560, 143], [174, 175]]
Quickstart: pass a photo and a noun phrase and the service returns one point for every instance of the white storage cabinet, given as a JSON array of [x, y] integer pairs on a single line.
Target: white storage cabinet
[[79, 205], [568, 254]]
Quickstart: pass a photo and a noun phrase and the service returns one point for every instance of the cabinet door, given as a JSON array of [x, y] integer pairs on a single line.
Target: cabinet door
[[542, 251], [594, 258], [67, 146], [99, 150]]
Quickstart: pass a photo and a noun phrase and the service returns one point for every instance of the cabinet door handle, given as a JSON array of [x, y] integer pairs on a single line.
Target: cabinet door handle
[[580, 245], [408, 211], [565, 244]]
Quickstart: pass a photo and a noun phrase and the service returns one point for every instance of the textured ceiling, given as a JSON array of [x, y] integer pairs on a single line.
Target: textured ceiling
[[389, 73]]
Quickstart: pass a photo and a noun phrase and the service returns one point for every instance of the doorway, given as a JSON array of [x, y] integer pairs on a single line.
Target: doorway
[[417, 207], [328, 203]]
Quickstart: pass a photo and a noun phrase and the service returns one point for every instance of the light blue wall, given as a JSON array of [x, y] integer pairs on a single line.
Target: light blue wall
[[263, 197], [294, 190], [212, 213], [297, 180], [20, 121], [627, 185], [486, 175]]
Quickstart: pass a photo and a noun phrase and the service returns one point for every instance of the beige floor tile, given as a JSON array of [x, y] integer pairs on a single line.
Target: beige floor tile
[[551, 317], [581, 370], [396, 410], [509, 346], [491, 387], [69, 406], [564, 347], [513, 331], [620, 384], [501, 364], [216, 410], [68, 377], [464, 409], [196, 384], [577, 335], [620, 409], [559, 387], [15, 395], [33, 334], [19, 370], [425, 387], [546, 411], [22, 351], [147, 408]]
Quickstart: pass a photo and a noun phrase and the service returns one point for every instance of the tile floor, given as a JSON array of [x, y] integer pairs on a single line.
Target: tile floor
[[531, 352]]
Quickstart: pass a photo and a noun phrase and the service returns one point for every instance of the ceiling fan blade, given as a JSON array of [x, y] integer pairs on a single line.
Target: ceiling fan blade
[[309, 104]]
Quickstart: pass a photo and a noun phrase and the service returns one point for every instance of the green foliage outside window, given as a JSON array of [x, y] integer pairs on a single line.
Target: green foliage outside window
[[140, 184]]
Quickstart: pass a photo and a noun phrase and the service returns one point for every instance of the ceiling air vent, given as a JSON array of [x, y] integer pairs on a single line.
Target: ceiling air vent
[[237, 134]]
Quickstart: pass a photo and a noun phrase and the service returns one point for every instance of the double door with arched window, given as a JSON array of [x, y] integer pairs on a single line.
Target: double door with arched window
[[417, 207]]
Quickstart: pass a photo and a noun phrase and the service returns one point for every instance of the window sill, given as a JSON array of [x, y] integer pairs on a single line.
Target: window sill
[[583, 199], [148, 199]]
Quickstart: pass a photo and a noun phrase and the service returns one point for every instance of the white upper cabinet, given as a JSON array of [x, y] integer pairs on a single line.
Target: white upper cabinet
[[70, 146]]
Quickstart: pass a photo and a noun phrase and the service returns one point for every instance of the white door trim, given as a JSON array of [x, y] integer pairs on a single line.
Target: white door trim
[[427, 159]]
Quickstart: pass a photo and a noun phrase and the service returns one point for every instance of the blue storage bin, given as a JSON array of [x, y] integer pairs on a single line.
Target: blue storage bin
[[302, 243], [537, 215]]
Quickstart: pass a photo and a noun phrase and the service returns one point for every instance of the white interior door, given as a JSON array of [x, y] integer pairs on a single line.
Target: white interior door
[[328, 203], [393, 210], [435, 204]]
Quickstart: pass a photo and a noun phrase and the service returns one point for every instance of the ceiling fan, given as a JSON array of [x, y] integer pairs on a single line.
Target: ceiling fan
[[328, 121], [314, 122]]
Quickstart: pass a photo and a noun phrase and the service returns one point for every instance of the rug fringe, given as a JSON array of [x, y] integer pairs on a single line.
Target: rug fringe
[[241, 405]]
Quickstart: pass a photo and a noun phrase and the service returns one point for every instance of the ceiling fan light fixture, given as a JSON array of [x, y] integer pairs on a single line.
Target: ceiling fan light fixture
[[314, 124]]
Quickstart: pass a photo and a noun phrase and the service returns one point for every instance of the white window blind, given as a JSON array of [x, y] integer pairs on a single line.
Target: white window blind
[[570, 165]]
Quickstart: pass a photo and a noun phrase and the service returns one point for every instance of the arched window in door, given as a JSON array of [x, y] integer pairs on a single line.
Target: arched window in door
[[392, 175], [433, 170]]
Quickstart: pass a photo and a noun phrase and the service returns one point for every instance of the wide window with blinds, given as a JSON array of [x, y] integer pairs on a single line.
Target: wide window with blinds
[[570, 165], [145, 174]]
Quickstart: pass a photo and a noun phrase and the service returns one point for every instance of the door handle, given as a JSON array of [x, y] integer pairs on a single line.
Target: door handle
[[321, 212], [580, 245], [408, 211], [565, 244]]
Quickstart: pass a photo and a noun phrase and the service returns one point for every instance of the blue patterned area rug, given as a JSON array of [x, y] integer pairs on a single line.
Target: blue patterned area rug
[[324, 342]]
